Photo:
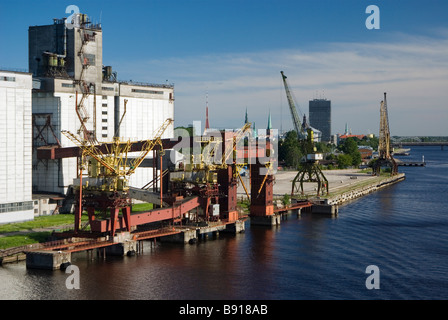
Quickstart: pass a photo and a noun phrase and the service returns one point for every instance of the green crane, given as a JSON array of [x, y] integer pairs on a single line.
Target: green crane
[[309, 170]]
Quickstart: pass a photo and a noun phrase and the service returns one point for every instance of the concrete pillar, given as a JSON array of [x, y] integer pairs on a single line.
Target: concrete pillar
[[236, 227], [186, 236], [270, 220], [49, 260], [325, 209], [128, 247]]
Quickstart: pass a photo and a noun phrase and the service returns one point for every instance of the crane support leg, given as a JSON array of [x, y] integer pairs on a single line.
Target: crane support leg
[[126, 211]]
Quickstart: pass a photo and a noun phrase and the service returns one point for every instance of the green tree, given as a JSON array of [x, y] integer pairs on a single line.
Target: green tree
[[293, 156], [344, 161], [350, 147], [290, 150], [323, 147], [356, 158]]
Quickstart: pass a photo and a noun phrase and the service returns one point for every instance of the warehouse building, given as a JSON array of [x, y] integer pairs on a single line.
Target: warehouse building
[[15, 147]]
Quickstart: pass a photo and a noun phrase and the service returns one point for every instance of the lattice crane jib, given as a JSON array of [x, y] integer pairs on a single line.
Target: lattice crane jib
[[301, 134], [111, 166], [385, 157], [149, 146], [384, 139], [231, 147], [309, 170]]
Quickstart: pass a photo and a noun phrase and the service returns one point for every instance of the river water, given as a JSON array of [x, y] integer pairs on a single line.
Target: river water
[[402, 230]]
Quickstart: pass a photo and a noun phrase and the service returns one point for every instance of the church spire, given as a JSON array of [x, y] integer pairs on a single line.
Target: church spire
[[207, 124], [269, 121], [254, 131]]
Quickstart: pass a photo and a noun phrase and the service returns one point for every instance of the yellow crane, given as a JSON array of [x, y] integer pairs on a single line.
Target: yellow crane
[[385, 157], [109, 170]]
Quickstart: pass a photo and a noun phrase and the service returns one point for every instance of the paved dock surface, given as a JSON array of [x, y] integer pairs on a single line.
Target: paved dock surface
[[337, 180]]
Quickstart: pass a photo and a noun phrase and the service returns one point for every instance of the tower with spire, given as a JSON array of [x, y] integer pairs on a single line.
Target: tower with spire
[[268, 129], [207, 123], [254, 131]]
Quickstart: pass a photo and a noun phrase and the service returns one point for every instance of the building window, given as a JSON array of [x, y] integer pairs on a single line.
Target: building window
[[90, 59], [104, 128], [13, 79], [104, 135], [104, 120], [67, 85], [107, 89], [104, 97], [105, 105], [16, 206], [104, 112], [89, 35], [147, 91]]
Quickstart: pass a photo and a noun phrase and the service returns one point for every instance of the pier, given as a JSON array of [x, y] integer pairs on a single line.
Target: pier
[[411, 164], [57, 254], [402, 163]]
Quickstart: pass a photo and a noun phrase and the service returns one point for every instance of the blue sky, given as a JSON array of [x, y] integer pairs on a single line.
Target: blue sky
[[233, 51]]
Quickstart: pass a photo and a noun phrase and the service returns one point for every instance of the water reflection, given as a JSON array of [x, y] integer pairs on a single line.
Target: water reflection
[[402, 229]]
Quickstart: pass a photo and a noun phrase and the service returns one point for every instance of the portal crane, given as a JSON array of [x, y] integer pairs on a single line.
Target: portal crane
[[201, 177], [385, 157], [309, 170], [107, 185], [112, 165]]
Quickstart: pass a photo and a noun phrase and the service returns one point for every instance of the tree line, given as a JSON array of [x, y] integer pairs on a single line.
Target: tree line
[[345, 155]]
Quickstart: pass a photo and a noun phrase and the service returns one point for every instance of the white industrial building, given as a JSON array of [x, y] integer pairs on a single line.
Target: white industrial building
[[73, 91], [56, 111], [15, 147]]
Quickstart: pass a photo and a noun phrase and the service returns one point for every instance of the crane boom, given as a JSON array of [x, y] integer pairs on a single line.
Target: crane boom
[[90, 150], [295, 117], [230, 147], [149, 145]]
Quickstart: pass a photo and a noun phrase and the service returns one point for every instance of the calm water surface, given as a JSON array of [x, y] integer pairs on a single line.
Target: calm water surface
[[402, 229]]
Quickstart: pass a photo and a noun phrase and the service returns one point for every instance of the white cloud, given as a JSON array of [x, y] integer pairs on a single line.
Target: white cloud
[[412, 70]]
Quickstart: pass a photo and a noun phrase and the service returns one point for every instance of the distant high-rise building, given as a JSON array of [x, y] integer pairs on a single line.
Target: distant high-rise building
[[320, 117]]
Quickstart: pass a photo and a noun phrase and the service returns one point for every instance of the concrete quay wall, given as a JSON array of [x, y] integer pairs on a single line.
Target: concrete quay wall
[[363, 190]]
